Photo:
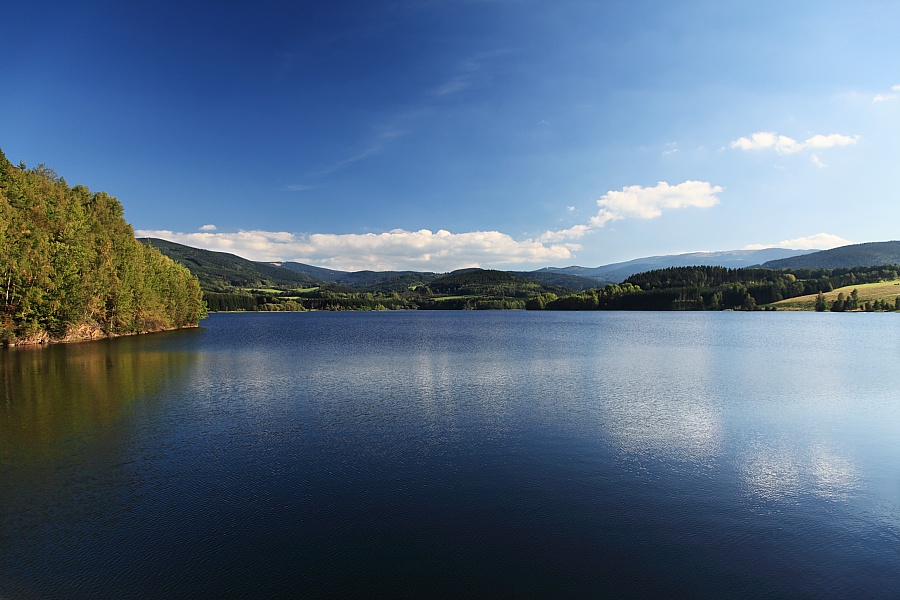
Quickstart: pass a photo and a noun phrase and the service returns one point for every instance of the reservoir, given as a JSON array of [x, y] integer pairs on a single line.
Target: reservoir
[[446, 454]]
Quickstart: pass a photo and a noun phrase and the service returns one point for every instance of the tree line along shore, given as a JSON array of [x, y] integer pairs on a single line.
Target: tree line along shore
[[676, 288]]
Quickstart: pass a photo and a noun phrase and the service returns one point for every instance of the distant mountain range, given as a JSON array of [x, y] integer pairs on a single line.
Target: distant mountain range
[[732, 259], [220, 271]]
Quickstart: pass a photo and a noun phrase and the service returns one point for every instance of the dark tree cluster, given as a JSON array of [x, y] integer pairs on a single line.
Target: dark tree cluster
[[490, 283]]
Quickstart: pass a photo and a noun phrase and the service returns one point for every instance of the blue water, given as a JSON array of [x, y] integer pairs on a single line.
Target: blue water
[[497, 454]]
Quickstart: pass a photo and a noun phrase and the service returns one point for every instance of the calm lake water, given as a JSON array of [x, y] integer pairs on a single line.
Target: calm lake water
[[504, 454]]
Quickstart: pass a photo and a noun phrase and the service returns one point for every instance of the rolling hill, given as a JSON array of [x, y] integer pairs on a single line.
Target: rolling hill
[[359, 279], [487, 282], [220, 271], [869, 254]]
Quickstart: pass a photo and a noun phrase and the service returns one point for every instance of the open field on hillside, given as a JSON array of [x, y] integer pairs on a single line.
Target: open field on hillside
[[868, 292]]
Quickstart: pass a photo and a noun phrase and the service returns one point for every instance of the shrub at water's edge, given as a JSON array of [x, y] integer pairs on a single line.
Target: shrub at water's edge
[[71, 269]]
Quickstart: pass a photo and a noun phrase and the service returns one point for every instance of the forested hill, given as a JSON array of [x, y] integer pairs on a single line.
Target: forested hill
[[487, 282], [362, 280], [855, 255], [220, 271], [71, 269]]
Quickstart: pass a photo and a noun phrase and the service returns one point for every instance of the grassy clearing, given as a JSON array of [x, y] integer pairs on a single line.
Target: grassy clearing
[[868, 292], [275, 291]]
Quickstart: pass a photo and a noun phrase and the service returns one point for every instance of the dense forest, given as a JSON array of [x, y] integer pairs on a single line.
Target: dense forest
[[70, 267]]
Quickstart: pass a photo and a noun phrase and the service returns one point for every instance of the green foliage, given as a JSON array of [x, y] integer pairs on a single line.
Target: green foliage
[[719, 288], [839, 305], [821, 305], [564, 280], [216, 301], [231, 283], [70, 262]]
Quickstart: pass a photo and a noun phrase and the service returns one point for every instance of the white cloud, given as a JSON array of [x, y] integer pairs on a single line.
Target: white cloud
[[572, 233], [398, 249], [819, 241], [895, 89], [783, 144], [639, 202], [209, 227]]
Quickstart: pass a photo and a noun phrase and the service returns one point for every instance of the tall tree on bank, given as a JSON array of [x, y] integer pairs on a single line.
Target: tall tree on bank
[[70, 267]]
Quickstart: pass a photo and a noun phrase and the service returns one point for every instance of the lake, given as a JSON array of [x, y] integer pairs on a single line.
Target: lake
[[489, 454]]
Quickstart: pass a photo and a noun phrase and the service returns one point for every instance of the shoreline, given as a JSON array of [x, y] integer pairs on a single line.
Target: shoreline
[[80, 334]]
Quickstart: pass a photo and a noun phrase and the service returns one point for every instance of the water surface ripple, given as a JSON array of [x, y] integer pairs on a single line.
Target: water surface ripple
[[490, 454]]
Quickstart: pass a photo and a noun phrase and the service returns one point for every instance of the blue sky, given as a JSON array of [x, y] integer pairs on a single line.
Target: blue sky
[[435, 135]]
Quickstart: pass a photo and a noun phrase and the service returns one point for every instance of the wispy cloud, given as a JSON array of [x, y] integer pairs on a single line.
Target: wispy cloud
[[637, 202], [783, 144], [819, 241], [375, 145], [893, 95], [468, 73], [671, 148], [454, 85], [398, 249]]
